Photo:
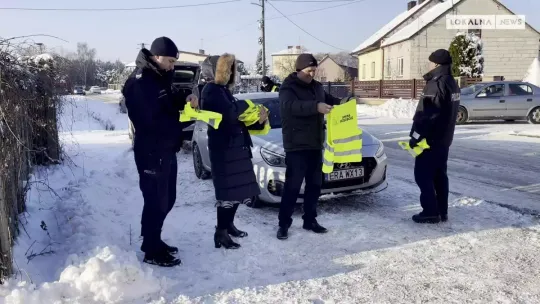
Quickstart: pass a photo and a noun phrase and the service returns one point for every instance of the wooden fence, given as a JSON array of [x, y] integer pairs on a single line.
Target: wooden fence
[[398, 88], [386, 89]]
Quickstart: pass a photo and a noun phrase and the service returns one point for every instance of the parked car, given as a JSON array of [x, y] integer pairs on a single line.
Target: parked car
[[269, 158], [508, 100], [186, 76], [95, 90], [79, 90]]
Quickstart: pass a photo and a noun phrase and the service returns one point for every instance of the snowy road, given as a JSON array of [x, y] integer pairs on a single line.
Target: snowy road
[[374, 253], [486, 161]]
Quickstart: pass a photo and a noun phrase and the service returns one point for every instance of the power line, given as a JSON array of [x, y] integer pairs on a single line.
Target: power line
[[314, 1], [303, 30], [114, 9], [246, 26]]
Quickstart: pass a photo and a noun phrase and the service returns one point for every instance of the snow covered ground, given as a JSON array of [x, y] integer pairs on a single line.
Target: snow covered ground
[[80, 239]]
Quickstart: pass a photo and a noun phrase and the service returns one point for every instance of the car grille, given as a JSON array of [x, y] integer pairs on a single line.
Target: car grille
[[369, 164]]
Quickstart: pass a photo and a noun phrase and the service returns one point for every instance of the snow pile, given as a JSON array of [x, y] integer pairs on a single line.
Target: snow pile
[[533, 73], [107, 275], [393, 108], [527, 133], [110, 91]]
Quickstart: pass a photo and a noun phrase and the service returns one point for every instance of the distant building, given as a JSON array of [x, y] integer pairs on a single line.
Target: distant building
[[400, 49], [336, 68], [192, 57], [283, 62]]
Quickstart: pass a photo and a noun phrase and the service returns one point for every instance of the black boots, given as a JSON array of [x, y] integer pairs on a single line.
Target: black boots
[[161, 258], [422, 218], [232, 229], [222, 238], [283, 233], [314, 226], [225, 228]]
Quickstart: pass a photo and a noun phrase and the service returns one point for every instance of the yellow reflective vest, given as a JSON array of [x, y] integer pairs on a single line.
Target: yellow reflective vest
[[274, 88], [251, 117], [213, 119], [417, 150], [343, 137]]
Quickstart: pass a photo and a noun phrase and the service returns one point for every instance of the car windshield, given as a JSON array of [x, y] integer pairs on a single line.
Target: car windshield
[[272, 104], [471, 89]]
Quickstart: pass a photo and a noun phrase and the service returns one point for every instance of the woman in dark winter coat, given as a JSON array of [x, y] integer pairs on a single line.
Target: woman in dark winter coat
[[229, 147]]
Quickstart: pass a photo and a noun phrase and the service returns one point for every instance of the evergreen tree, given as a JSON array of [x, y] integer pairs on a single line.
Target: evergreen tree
[[466, 52], [259, 64]]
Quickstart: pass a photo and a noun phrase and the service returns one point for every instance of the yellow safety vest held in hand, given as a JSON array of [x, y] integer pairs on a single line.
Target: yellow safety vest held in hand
[[213, 119], [417, 150], [251, 116], [274, 88], [343, 138]]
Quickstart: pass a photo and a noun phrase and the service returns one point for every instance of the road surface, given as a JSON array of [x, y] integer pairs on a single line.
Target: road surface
[[485, 162]]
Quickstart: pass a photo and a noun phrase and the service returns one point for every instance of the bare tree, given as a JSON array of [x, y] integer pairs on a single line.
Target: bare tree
[[85, 59]]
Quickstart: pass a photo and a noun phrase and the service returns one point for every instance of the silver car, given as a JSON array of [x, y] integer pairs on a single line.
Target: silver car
[[269, 159], [508, 100]]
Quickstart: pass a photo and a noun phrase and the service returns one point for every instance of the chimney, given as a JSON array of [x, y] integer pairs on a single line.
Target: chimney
[[411, 4], [290, 47], [298, 47], [201, 52], [421, 1]]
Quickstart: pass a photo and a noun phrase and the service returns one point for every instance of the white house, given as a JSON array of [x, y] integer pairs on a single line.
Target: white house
[[400, 49]]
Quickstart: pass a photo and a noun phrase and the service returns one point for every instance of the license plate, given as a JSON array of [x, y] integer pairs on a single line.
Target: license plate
[[345, 174]]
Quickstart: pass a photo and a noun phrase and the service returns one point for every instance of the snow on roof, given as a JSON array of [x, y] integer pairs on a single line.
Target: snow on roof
[[292, 51], [389, 27], [131, 65], [419, 23], [346, 61]]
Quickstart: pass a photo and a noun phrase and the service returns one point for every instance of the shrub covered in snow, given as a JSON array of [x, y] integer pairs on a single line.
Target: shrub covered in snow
[[466, 52]]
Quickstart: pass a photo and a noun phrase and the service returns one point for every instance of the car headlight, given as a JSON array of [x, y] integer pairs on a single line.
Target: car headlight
[[272, 158], [380, 151]]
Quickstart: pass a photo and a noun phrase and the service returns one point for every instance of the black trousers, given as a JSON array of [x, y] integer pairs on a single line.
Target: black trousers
[[430, 173], [301, 165], [157, 181]]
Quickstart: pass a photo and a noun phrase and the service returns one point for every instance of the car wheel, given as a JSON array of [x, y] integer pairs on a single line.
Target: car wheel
[[200, 171], [462, 116], [534, 116], [254, 203]]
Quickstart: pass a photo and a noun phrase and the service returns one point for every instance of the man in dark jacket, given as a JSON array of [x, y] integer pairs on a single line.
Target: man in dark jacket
[[435, 121], [267, 85], [153, 108], [303, 103]]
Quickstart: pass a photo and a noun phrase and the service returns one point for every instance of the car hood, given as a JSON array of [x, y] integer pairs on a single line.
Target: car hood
[[273, 141]]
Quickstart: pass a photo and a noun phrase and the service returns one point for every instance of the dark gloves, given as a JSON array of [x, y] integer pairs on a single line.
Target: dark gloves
[[413, 142]]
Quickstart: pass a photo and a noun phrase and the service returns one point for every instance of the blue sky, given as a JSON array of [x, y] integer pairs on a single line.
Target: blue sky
[[229, 27]]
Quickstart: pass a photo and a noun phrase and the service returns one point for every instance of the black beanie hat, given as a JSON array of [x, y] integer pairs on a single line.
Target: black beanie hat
[[164, 46], [305, 60], [441, 57]]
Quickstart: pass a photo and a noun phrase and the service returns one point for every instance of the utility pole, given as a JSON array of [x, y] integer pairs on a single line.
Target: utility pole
[[142, 45], [262, 40]]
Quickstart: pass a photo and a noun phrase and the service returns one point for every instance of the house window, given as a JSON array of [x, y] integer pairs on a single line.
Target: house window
[[388, 68], [400, 66], [373, 69], [477, 32], [363, 71]]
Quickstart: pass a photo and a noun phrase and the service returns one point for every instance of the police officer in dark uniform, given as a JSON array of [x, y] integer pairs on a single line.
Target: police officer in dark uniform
[[153, 106], [435, 121], [267, 85]]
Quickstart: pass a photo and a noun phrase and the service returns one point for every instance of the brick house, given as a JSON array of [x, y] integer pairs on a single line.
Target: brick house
[[400, 49]]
